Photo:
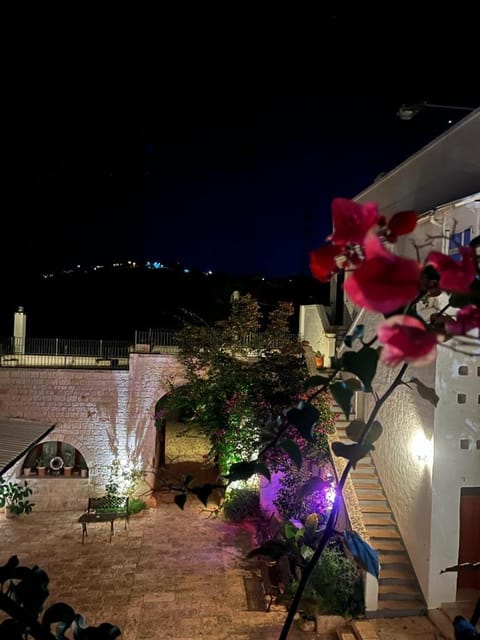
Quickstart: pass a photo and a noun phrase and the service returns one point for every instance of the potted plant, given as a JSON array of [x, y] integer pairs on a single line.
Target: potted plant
[[319, 359], [14, 498], [83, 468], [68, 463], [42, 463]]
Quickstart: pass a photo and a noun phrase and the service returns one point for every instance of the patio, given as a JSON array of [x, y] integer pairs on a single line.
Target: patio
[[172, 574]]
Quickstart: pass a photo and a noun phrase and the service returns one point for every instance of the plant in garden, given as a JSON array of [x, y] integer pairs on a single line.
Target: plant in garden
[[123, 481], [380, 281], [240, 504], [15, 497]]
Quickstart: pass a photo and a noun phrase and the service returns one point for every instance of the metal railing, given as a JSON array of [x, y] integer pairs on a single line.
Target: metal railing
[[114, 354], [63, 353], [161, 341]]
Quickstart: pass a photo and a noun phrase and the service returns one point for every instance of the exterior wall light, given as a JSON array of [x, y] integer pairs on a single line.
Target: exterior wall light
[[409, 111]]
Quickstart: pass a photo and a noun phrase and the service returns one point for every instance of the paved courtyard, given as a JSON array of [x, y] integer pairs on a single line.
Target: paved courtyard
[[172, 574]]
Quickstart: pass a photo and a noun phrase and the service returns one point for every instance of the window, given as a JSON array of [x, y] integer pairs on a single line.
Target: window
[[55, 459], [461, 398], [457, 240], [463, 371]]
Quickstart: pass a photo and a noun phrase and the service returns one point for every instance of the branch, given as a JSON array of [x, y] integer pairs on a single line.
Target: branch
[[334, 512]]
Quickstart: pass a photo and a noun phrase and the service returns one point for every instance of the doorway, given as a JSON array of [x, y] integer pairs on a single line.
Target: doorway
[[469, 545]]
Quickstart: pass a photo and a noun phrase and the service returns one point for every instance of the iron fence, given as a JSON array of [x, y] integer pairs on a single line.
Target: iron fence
[[63, 353]]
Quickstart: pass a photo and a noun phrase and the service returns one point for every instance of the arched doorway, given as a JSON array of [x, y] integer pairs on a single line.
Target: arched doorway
[[180, 449]]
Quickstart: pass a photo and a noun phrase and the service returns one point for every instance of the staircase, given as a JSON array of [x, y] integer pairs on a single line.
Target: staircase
[[398, 590]]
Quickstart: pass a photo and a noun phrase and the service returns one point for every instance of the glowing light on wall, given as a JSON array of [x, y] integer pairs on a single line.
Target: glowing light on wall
[[422, 448]]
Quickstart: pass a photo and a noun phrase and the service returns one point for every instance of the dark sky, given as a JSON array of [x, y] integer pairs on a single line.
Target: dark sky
[[223, 157]]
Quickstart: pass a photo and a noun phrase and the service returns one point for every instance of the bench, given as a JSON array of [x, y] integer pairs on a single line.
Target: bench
[[105, 509]]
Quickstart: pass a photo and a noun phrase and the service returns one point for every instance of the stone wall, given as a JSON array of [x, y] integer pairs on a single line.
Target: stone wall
[[103, 414]]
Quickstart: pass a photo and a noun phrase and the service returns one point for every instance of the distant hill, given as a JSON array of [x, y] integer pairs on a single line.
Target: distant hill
[[113, 303]]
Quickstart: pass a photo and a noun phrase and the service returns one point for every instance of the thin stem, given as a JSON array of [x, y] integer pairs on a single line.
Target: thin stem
[[333, 514]]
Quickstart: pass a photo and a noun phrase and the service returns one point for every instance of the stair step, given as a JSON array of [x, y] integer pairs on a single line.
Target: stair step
[[397, 574], [387, 559], [363, 475], [374, 508], [405, 589], [383, 533], [393, 608], [377, 521], [371, 496], [364, 630], [365, 484], [388, 545]]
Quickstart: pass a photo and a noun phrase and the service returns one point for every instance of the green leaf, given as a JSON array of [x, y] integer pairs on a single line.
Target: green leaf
[[363, 364], [426, 392], [354, 384], [242, 470], [316, 381], [289, 530], [356, 429], [180, 500], [352, 452], [312, 485], [458, 300], [203, 493], [292, 449], [263, 470], [343, 396], [304, 420]]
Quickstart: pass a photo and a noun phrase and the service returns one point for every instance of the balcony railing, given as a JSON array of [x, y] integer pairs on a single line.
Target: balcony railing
[[105, 354], [64, 353]]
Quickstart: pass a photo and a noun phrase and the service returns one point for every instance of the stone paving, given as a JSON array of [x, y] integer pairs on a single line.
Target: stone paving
[[172, 574]]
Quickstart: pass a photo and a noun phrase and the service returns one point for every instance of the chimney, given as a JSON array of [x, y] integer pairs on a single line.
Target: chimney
[[19, 330]]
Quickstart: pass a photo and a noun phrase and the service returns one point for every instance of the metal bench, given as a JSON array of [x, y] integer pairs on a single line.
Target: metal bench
[[105, 509]]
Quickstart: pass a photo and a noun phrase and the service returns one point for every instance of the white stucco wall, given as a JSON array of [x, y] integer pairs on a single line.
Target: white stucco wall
[[425, 496], [454, 467], [104, 414], [313, 323], [407, 420]]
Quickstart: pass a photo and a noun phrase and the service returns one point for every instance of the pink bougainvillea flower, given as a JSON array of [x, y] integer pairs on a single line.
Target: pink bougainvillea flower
[[466, 321], [405, 339], [454, 276], [383, 282], [322, 262], [400, 224], [352, 221]]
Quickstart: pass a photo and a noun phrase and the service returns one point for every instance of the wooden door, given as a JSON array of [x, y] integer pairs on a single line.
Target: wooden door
[[469, 548]]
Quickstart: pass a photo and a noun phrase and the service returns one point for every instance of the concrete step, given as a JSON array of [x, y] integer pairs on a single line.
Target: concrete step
[[375, 507], [398, 608], [388, 545], [383, 533], [378, 521], [397, 574], [362, 483], [363, 475], [393, 560], [405, 589], [370, 496]]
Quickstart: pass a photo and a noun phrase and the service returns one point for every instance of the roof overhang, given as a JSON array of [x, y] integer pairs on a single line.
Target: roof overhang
[[17, 437]]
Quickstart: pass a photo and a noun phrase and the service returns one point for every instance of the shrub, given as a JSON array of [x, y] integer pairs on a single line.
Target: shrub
[[135, 505], [335, 586], [241, 504]]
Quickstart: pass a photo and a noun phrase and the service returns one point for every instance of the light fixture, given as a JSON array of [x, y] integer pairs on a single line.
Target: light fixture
[[409, 111]]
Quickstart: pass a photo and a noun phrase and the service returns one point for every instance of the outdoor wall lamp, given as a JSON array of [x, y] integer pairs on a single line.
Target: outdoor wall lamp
[[409, 111]]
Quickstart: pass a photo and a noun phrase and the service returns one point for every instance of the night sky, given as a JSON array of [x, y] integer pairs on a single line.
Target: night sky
[[220, 157]]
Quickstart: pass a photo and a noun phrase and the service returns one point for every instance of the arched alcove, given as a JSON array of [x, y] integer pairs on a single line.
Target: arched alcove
[[56, 458]]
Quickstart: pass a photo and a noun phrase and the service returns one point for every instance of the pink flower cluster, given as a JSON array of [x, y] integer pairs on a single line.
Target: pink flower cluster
[[381, 281]]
